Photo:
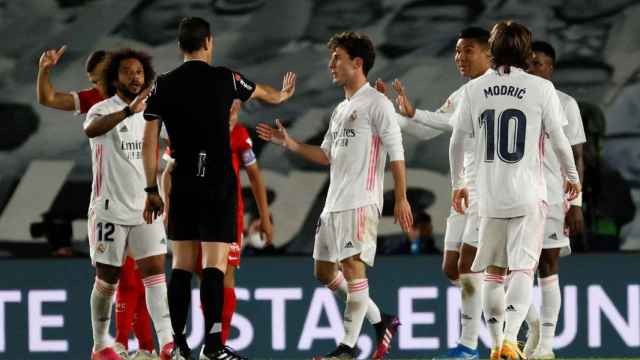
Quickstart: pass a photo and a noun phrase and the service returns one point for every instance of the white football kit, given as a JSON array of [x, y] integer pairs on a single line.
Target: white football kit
[[361, 133], [509, 114], [461, 228], [555, 235], [117, 191]]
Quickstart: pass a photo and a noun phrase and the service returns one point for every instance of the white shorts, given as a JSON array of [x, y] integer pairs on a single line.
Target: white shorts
[[555, 234], [513, 243], [342, 234], [461, 228], [110, 243]]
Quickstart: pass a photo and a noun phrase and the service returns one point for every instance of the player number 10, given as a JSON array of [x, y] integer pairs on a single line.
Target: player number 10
[[487, 121]]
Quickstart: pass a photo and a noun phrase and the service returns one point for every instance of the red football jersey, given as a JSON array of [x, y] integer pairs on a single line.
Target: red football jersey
[[86, 99]]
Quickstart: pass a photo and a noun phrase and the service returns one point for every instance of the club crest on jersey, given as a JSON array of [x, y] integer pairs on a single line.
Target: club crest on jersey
[[353, 116]]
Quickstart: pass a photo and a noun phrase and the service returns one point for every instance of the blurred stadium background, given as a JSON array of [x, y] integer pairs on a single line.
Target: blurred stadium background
[[45, 166]]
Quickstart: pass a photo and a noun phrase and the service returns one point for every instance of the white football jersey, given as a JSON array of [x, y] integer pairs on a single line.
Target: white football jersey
[[507, 114], [117, 191], [361, 133], [574, 130]]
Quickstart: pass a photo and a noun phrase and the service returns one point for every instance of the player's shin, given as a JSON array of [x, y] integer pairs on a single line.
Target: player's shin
[[156, 293], [101, 302]]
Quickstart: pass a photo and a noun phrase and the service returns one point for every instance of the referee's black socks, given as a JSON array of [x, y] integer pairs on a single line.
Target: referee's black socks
[[179, 297], [212, 299]]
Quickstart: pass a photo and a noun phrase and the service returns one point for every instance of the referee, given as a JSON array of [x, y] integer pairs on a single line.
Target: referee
[[193, 102]]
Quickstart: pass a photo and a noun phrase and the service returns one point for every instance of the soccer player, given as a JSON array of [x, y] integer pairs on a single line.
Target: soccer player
[[508, 111], [131, 309], [361, 133], [461, 237], [115, 128], [242, 155], [541, 330], [194, 102]]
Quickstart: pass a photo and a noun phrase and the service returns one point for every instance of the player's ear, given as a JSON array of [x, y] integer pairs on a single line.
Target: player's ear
[[359, 63]]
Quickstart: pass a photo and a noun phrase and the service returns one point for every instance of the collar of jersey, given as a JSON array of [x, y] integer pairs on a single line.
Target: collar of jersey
[[365, 87], [118, 100]]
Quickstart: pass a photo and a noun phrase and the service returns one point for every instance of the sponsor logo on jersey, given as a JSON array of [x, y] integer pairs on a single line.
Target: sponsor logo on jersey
[[353, 116]]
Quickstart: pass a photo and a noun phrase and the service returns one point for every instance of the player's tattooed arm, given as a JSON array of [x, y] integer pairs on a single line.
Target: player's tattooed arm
[[47, 94], [270, 95], [103, 124]]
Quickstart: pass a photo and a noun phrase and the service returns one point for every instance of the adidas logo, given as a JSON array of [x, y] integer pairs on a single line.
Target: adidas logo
[[163, 241], [553, 236], [349, 245], [124, 128], [492, 320], [511, 308]]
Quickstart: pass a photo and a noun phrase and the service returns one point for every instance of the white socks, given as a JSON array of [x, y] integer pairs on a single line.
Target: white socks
[[156, 296], [471, 307], [355, 310], [101, 302], [340, 290], [551, 302], [493, 300], [518, 301]]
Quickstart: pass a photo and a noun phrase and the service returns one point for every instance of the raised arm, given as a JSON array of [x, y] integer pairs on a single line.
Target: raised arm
[[270, 95], [47, 94], [100, 125], [280, 136]]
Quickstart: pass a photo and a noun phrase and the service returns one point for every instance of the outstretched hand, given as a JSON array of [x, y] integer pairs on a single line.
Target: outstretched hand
[[288, 86], [140, 102], [50, 58], [277, 135], [405, 107]]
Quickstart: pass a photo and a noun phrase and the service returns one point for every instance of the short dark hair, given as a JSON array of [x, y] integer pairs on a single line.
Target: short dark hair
[[94, 59], [112, 68], [477, 34], [193, 33], [545, 48], [510, 44], [356, 45]]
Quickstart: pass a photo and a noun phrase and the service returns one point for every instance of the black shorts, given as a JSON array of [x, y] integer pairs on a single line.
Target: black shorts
[[202, 211]]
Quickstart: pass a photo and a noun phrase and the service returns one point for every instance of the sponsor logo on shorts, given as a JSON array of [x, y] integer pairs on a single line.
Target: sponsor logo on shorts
[[101, 248], [163, 241], [492, 320], [553, 236], [511, 308], [349, 245]]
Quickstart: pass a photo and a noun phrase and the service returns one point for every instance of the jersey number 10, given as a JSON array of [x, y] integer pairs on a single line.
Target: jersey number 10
[[506, 153]]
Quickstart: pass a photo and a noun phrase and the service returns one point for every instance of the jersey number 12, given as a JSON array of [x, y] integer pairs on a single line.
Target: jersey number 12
[[509, 153]]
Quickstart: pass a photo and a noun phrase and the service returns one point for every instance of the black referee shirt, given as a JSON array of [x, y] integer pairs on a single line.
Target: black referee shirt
[[193, 102]]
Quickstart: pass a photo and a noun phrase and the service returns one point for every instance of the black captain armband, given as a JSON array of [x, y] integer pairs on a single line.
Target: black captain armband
[[151, 189]]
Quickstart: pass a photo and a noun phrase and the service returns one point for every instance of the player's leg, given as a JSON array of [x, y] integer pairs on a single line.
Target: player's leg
[[491, 258], [452, 243], [471, 297], [142, 326], [551, 299], [126, 299], [355, 273], [229, 304], [148, 245], [108, 242], [524, 243]]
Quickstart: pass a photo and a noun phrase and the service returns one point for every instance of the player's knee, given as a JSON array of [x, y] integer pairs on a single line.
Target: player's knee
[[108, 273], [322, 275], [450, 270], [548, 265]]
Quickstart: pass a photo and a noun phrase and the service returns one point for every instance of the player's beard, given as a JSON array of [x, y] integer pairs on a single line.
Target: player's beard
[[124, 90]]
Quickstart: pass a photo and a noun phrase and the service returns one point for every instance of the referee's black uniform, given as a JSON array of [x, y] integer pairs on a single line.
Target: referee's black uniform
[[193, 102]]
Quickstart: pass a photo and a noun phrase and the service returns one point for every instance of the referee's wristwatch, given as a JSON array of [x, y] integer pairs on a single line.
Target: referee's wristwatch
[[151, 190]]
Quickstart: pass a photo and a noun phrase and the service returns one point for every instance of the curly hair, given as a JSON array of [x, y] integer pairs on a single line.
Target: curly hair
[[356, 45], [112, 68]]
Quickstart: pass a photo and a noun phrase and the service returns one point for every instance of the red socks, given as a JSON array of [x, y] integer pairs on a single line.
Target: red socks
[[229, 307]]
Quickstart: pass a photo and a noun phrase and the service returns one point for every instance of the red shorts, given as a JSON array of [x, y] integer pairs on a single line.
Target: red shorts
[[235, 248]]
